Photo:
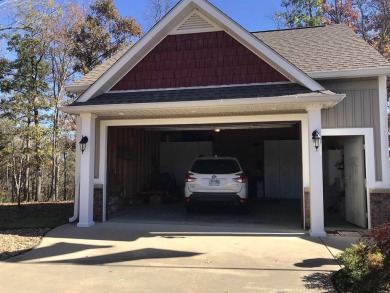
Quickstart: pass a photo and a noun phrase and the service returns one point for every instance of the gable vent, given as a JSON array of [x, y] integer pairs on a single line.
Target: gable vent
[[195, 23]]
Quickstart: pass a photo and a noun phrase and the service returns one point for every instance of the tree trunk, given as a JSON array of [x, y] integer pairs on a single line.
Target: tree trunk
[[26, 181], [57, 178], [17, 181], [38, 159], [27, 171], [38, 187]]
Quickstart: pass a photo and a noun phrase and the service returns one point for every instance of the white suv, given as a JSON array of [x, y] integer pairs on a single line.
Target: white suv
[[217, 180]]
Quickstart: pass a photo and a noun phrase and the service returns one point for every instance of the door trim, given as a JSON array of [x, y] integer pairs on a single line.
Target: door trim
[[368, 134]]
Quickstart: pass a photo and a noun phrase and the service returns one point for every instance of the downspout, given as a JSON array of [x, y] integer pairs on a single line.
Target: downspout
[[77, 173], [76, 201]]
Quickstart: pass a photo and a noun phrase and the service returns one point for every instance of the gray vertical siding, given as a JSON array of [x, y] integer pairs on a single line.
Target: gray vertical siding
[[356, 110], [360, 108]]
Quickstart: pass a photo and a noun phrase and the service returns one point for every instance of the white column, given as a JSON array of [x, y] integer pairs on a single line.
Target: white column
[[87, 167], [316, 186]]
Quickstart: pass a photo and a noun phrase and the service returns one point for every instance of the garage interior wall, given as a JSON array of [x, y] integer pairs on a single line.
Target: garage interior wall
[[132, 158], [282, 169]]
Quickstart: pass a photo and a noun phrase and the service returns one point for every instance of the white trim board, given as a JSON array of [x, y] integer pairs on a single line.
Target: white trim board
[[384, 131]]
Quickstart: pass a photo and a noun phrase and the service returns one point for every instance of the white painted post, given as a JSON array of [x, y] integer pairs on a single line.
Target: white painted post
[[316, 186], [87, 167]]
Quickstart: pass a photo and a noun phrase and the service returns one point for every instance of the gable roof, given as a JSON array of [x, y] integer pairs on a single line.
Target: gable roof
[[169, 23], [327, 51]]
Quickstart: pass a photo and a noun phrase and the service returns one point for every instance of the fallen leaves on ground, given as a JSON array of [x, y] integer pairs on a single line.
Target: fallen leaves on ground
[[16, 241], [22, 228]]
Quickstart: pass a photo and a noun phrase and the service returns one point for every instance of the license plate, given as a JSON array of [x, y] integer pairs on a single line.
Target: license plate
[[214, 182]]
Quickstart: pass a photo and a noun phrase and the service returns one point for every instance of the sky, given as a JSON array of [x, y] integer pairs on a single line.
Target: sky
[[253, 15]]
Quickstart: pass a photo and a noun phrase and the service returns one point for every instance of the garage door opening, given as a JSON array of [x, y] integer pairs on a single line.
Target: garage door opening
[[146, 170], [345, 192]]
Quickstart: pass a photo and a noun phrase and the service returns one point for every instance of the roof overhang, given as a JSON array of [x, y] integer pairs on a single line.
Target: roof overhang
[[230, 107], [77, 89], [354, 73]]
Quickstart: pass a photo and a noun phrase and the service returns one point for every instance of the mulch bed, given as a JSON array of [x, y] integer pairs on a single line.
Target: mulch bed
[[17, 241]]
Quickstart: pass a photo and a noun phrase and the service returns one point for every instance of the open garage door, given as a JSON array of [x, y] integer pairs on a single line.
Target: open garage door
[[137, 156]]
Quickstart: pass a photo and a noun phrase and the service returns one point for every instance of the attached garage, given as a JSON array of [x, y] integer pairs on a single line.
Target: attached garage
[[199, 84], [268, 152]]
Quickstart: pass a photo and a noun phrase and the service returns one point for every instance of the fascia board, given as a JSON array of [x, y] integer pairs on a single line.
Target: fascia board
[[353, 73], [76, 88], [257, 46], [325, 101]]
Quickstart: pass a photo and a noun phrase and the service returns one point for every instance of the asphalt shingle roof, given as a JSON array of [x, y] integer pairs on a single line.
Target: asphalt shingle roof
[[198, 94], [98, 71], [315, 49], [328, 48]]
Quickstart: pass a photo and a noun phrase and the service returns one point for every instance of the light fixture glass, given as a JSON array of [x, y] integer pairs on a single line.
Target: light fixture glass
[[83, 143], [316, 137]]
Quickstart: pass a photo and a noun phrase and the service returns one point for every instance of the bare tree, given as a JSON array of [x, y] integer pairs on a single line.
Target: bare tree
[[156, 10]]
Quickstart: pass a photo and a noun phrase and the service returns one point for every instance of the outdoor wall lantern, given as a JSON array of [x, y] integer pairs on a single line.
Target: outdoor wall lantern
[[316, 139], [83, 143]]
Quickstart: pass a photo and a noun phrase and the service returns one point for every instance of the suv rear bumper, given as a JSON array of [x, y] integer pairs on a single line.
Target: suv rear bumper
[[216, 198]]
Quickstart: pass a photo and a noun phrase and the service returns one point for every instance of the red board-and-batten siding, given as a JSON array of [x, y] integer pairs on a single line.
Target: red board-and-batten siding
[[202, 59]]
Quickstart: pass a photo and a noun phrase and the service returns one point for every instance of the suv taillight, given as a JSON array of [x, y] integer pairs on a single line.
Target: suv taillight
[[240, 179], [190, 178]]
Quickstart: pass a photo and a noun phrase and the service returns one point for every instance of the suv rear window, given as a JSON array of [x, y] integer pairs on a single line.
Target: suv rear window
[[216, 166]]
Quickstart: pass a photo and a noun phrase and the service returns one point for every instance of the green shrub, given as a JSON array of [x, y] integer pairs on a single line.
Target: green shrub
[[367, 264], [358, 261]]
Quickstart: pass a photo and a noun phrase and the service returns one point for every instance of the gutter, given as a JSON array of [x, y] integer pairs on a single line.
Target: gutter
[[353, 73], [326, 100]]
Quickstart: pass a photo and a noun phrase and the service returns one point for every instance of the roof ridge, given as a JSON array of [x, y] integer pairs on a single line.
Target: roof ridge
[[299, 28]]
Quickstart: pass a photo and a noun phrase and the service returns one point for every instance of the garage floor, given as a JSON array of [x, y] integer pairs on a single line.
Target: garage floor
[[268, 213]]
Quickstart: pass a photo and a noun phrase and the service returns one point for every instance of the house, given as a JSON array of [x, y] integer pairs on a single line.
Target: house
[[304, 109]]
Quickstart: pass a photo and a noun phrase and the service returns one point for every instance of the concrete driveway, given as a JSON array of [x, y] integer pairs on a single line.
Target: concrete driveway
[[142, 257]]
